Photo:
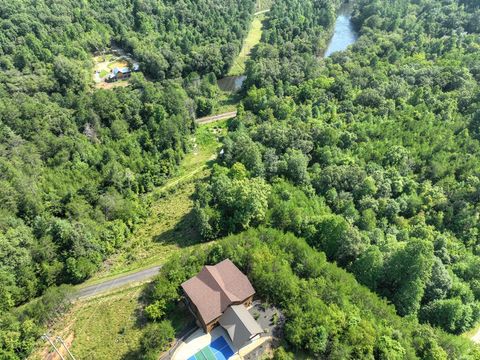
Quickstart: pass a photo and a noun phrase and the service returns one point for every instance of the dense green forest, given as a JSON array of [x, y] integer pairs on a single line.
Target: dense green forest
[[328, 314], [75, 161], [169, 38], [372, 155]]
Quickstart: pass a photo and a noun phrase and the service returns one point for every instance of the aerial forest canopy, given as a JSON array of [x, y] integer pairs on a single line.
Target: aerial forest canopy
[[372, 155], [74, 160], [169, 38], [328, 315], [368, 159]]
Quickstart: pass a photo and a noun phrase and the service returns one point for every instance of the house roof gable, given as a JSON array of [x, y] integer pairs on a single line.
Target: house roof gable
[[240, 325], [216, 287]]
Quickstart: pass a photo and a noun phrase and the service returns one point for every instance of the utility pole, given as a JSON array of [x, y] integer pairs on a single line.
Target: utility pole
[[66, 348], [46, 337]]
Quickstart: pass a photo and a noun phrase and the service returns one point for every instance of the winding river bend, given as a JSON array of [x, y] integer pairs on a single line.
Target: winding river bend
[[344, 35]]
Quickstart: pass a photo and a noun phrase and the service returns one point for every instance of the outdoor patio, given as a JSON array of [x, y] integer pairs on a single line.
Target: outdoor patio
[[199, 340], [268, 317]]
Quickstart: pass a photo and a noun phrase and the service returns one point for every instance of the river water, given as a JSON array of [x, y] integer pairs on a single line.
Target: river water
[[344, 35], [231, 83]]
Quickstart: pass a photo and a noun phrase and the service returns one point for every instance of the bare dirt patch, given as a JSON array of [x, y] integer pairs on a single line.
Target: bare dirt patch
[[108, 86], [105, 63], [48, 353]]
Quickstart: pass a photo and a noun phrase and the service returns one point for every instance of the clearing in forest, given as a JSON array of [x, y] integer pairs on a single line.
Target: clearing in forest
[[263, 6], [106, 63], [170, 225], [167, 229], [106, 327], [253, 38]]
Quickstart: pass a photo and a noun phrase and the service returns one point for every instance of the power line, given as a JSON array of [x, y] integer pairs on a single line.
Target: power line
[[46, 337], [66, 348]]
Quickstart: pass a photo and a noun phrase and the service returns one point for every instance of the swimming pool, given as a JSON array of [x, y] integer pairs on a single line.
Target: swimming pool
[[217, 350]]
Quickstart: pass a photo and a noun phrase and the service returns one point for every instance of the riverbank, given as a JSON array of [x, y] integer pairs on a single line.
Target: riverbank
[[344, 33]]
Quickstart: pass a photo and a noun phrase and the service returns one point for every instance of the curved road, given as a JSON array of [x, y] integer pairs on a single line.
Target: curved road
[[137, 277]]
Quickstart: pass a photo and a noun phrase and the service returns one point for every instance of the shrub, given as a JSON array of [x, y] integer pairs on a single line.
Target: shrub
[[157, 336]]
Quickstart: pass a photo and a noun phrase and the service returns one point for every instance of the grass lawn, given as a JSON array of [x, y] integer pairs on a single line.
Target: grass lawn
[[252, 39], [227, 101], [107, 57], [105, 327], [170, 224], [118, 64], [103, 73], [108, 327]]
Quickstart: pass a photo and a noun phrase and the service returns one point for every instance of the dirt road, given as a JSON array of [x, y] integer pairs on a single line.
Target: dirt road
[[261, 12], [476, 338], [213, 118]]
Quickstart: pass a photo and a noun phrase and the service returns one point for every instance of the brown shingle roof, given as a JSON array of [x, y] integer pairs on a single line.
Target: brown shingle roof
[[217, 287]]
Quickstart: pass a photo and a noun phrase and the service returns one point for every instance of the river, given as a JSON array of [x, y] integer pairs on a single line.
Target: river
[[344, 35], [231, 83]]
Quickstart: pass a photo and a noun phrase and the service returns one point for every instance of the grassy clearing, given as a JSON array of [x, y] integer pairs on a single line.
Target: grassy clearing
[[104, 64], [169, 228], [253, 38], [205, 144], [170, 225], [108, 327], [105, 327], [118, 64], [227, 102]]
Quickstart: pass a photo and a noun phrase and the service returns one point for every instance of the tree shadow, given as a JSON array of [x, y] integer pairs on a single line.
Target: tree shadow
[[184, 234], [185, 231], [134, 354], [232, 98], [140, 319]]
